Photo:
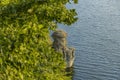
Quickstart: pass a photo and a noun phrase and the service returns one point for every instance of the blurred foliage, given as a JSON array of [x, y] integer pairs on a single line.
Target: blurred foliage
[[25, 45]]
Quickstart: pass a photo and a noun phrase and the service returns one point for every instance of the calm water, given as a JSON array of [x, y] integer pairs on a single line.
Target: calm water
[[96, 37]]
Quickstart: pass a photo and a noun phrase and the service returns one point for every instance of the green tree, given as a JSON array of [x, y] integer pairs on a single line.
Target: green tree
[[25, 46]]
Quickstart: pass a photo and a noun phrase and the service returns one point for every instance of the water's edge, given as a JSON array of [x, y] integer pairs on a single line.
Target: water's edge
[[96, 39]]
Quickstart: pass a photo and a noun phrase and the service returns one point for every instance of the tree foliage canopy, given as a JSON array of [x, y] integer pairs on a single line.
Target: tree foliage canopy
[[25, 46], [45, 11]]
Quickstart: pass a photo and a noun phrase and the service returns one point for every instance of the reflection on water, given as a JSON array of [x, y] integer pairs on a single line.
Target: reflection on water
[[96, 37]]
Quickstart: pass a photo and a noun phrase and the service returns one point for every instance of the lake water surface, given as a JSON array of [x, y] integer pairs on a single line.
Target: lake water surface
[[96, 37]]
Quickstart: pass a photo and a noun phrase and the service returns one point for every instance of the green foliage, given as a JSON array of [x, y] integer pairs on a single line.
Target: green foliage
[[25, 46], [46, 12]]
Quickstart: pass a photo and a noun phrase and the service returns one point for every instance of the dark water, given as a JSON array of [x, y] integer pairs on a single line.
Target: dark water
[[96, 37]]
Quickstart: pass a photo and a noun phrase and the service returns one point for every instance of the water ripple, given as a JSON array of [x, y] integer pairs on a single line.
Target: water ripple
[[96, 37]]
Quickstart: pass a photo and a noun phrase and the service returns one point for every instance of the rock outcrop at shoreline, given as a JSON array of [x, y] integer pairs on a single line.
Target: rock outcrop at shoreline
[[60, 45]]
